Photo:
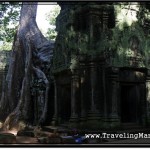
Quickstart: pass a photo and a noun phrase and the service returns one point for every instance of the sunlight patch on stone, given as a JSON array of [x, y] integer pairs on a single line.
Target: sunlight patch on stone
[[128, 14]]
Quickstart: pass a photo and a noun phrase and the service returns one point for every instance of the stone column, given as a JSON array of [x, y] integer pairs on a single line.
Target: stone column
[[114, 109], [94, 116], [93, 80], [83, 93], [55, 117], [94, 27], [148, 97], [114, 120], [144, 103], [105, 113], [91, 30], [102, 88], [74, 98]]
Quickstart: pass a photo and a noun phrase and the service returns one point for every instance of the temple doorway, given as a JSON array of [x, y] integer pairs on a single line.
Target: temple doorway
[[130, 98], [65, 105]]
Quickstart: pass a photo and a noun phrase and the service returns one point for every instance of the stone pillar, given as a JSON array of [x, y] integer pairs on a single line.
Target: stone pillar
[[113, 118], [102, 88], [93, 80], [55, 117], [148, 97], [91, 30], [74, 98], [104, 94], [94, 27], [114, 110], [94, 116], [83, 89], [142, 104]]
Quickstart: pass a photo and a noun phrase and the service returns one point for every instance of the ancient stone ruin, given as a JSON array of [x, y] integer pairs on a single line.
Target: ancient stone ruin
[[94, 85]]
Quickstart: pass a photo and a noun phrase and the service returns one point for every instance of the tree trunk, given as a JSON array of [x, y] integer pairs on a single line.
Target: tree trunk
[[29, 60]]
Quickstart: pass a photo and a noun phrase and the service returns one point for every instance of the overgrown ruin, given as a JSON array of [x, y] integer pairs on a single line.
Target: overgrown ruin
[[96, 75], [98, 85]]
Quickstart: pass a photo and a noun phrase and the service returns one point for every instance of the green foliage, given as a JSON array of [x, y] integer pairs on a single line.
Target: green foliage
[[51, 34], [144, 13], [77, 41], [74, 62], [9, 19], [114, 44], [4, 58], [126, 27], [121, 44], [103, 44], [5, 46], [53, 13], [51, 17]]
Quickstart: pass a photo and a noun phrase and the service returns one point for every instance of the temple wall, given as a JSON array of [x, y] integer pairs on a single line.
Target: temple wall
[[96, 68], [4, 61]]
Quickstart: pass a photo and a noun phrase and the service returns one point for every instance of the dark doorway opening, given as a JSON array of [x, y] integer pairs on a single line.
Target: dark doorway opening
[[129, 103], [65, 105]]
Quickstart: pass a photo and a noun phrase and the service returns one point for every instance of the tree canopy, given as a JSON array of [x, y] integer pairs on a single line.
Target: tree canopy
[[9, 20], [51, 17]]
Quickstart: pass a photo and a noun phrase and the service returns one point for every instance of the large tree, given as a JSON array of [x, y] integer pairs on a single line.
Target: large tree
[[29, 62]]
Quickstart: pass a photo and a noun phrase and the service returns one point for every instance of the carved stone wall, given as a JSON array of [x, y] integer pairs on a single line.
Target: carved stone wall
[[80, 30], [84, 66], [4, 61]]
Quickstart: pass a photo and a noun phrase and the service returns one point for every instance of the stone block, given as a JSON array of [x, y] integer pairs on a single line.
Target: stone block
[[26, 133], [8, 138]]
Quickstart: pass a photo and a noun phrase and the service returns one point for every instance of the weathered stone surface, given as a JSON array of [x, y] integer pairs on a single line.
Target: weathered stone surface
[[49, 128], [26, 140], [61, 130], [43, 140], [44, 134], [26, 133]]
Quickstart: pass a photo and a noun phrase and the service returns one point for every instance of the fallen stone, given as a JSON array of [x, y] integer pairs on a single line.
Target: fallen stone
[[43, 140], [26, 140], [26, 133], [7, 138], [44, 134], [50, 129]]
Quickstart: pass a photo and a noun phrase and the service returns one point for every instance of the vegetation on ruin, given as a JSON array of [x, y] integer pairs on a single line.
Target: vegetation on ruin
[[30, 64]]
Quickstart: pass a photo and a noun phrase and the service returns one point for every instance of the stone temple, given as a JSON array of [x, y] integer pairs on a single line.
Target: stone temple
[[100, 68], [96, 86]]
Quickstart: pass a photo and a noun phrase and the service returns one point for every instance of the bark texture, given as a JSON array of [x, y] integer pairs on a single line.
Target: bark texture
[[30, 63]]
